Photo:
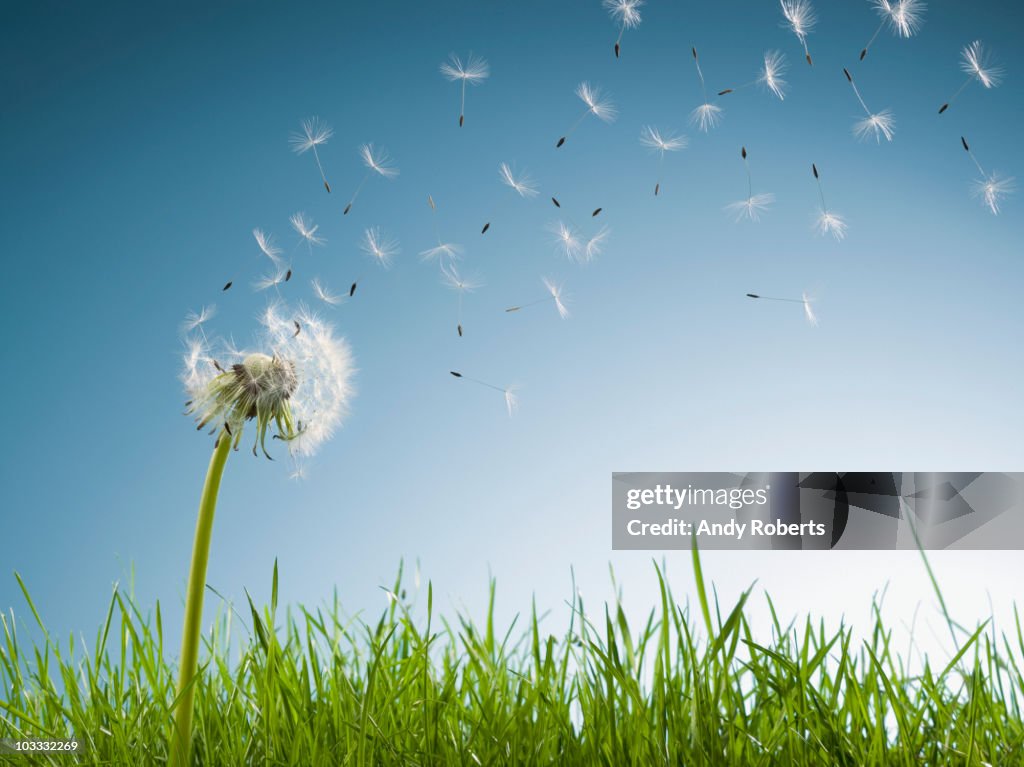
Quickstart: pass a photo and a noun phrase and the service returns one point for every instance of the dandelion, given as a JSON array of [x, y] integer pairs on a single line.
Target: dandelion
[[625, 13], [508, 392], [977, 63], [324, 294], [827, 222], [521, 184], [473, 72], [377, 161], [306, 230], [800, 19], [707, 115], [805, 300], [314, 133], [653, 139], [991, 188], [461, 285], [597, 105], [554, 294], [770, 76], [755, 204], [296, 384], [880, 124], [904, 17]]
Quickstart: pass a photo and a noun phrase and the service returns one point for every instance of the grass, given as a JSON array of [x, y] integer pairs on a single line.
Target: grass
[[685, 688]]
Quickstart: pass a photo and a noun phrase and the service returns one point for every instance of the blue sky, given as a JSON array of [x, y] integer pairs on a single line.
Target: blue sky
[[142, 144]]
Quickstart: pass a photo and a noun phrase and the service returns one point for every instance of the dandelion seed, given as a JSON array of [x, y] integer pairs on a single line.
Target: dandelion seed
[[324, 294], [227, 285], [977, 63], [707, 115], [377, 162], [770, 76], [306, 230], [827, 222], [805, 301], [555, 294], [314, 133], [522, 185], [625, 13], [653, 139], [196, 320], [595, 245], [451, 278], [444, 253], [597, 105], [379, 246], [266, 245], [800, 19], [508, 392], [991, 188], [879, 124], [755, 204], [904, 17], [272, 279], [473, 72], [556, 202], [596, 212], [568, 240]]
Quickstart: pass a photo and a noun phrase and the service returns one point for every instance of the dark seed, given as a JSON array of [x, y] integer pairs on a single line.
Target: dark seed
[[457, 375], [811, 63], [727, 90], [347, 209], [298, 328], [657, 187], [288, 275], [753, 295], [616, 50], [486, 227], [327, 187], [556, 202], [815, 169], [460, 331], [228, 285], [943, 108], [694, 50], [964, 142], [352, 290], [596, 212], [462, 119], [863, 53], [743, 152], [560, 142], [847, 73]]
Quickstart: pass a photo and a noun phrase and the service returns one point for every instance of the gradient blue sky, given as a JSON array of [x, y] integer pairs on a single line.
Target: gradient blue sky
[[142, 143]]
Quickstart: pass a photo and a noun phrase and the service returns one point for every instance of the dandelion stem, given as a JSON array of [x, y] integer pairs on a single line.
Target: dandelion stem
[[181, 740], [864, 52]]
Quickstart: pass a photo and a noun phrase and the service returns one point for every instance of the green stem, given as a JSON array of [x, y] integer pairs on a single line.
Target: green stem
[[181, 737]]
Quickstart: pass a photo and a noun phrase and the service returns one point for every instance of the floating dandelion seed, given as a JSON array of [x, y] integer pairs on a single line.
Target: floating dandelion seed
[[523, 185], [653, 139], [299, 386], [227, 285], [511, 399], [976, 62], [314, 133], [377, 162], [555, 294], [306, 230], [800, 19], [568, 240], [473, 72], [707, 115], [451, 278], [595, 244], [597, 105], [273, 279], [770, 76], [755, 204], [991, 188], [805, 300], [626, 13], [880, 124], [827, 222], [378, 245], [323, 294], [904, 17], [266, 245], [444, 252], [196, 320]]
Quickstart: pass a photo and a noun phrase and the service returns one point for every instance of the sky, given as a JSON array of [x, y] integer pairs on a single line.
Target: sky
[[142, 144]]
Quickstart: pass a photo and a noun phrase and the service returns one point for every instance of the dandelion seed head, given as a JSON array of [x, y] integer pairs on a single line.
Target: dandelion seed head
[[706, 116], [800, 17], [624, 12], [556, 293], [266, 244], [306, 229], [599, 106], [380, 246], [977, 63], [771, 73], [752, 207], [653, 139], [831, 223], [298, 382], [880, 125], [314, 133], [991, 189], [523, 185], [474, 71], [378, 161]]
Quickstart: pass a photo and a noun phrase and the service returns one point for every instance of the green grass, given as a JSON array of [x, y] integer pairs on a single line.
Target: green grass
[[312, 688]]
